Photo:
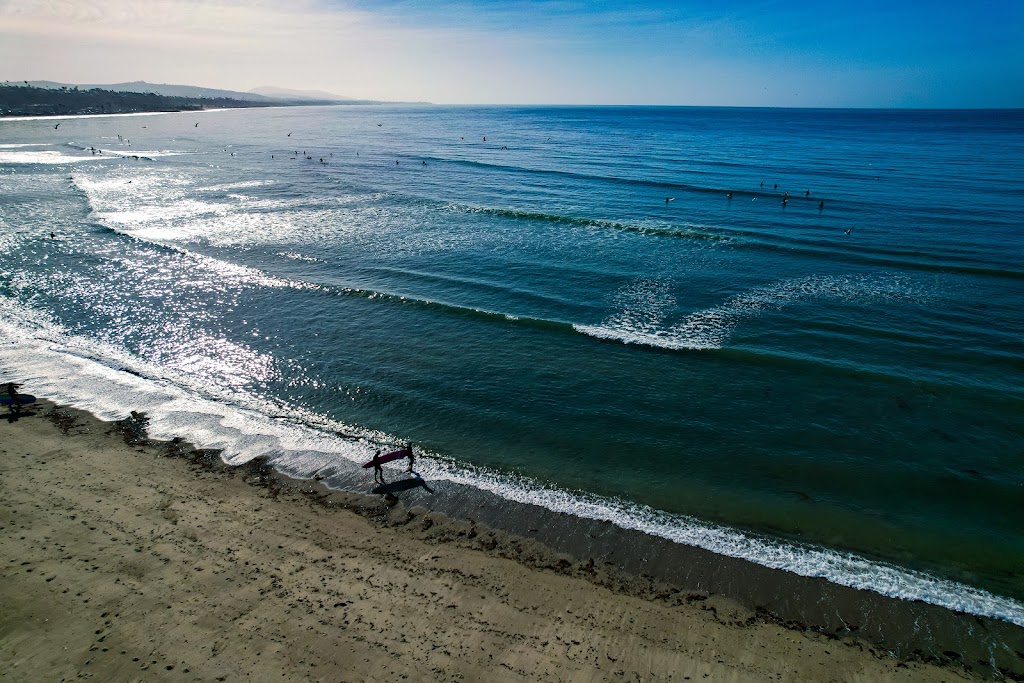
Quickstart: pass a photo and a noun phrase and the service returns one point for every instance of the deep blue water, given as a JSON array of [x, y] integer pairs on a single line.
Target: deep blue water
[[532, 312]]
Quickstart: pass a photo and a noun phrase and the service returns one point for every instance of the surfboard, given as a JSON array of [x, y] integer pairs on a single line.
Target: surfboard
[[388, 457], [20, 399]]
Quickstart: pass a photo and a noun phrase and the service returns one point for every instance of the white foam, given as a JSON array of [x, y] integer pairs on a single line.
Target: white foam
[[68, 117], [145, 153], [109, 383], [643, 305], [160, 205], [296, 256], [149, 200], [640, 320], [846, 569], [136, 221], [41, 157], [237, 186]]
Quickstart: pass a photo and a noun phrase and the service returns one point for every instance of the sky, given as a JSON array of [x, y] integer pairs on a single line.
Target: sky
[[776, 53]]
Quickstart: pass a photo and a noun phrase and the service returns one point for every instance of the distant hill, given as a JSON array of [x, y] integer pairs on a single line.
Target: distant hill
[[177, 97], [21, 99], [165, 89], [169, 90], [297, 95]]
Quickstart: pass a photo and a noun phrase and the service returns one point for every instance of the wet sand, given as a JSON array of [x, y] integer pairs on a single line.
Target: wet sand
[[153, 561]]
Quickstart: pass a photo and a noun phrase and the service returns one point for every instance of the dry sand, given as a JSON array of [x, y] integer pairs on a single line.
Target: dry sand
[[120, 563]]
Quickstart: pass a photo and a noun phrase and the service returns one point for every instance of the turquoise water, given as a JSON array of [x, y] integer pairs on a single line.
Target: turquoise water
[[532, 312]]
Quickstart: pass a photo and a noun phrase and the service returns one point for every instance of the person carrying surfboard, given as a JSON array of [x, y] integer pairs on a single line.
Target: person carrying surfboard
[[15, 400], [12, 392], [412, 458], [378, 471]]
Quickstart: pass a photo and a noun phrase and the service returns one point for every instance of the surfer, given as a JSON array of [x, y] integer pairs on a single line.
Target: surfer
[[412, 458], [821, 204], [378, 471], [15, 404]]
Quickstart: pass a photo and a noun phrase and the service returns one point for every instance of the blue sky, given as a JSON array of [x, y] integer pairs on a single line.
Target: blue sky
[[768, 53]]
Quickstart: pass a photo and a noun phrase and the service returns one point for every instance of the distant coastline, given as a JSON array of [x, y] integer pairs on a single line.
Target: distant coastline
[[28, 100]]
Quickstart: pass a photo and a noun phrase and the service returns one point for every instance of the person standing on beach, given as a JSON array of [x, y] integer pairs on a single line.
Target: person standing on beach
[[412, 458], [15, 404], [378, 471]]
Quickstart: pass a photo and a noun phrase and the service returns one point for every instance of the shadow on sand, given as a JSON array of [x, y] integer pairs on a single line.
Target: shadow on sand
[[15, 413], [416, 481]]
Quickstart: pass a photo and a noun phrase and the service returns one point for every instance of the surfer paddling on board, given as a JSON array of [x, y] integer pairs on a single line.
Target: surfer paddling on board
[[412, 458], [378, 471]]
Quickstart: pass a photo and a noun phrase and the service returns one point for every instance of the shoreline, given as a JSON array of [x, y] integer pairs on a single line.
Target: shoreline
[[306, 445], [155, 112], [650, 566], [93, 115], [41, 117], [122, 530]]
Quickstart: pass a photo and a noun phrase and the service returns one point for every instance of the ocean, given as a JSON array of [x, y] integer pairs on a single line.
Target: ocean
[[793, 337]]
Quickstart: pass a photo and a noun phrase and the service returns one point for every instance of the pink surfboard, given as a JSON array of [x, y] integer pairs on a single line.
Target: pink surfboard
[[388, 457]]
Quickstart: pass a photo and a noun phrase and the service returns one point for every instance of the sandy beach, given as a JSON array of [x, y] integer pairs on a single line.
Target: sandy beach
[[153, 561]]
